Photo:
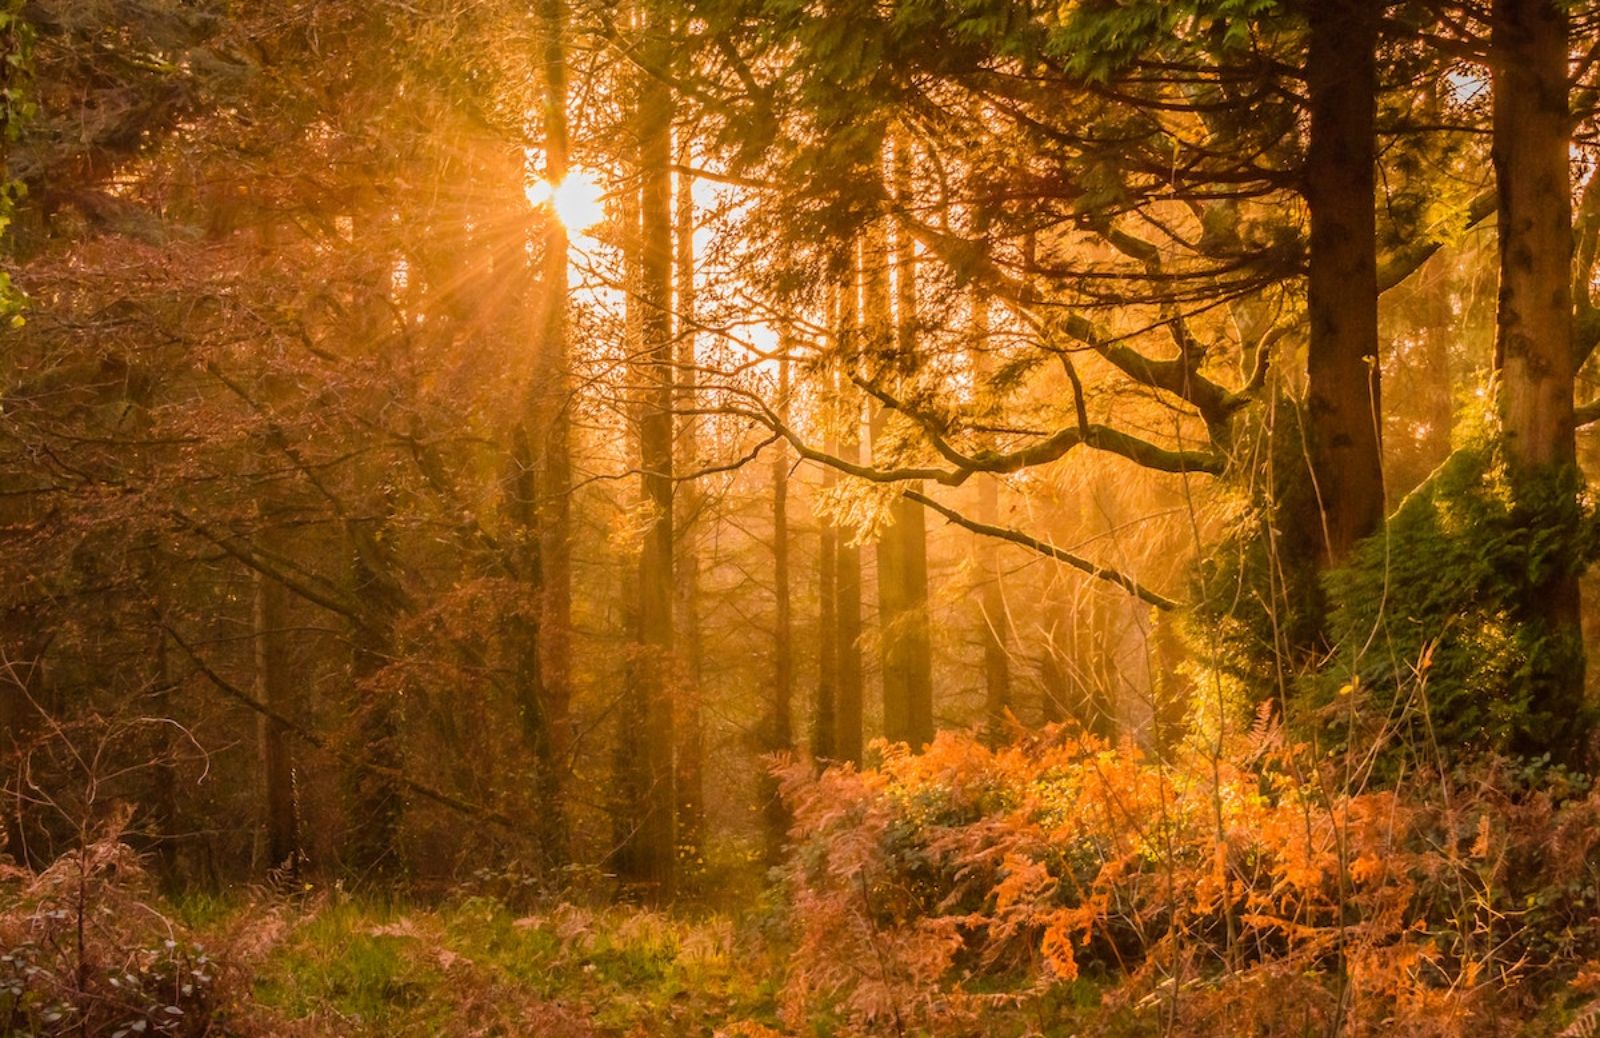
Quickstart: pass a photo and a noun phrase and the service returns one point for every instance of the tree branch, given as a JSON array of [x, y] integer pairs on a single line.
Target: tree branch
[[311, 738], [1078, 562]]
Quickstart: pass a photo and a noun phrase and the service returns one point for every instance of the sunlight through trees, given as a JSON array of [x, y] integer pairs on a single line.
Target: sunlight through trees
[[915, 517]]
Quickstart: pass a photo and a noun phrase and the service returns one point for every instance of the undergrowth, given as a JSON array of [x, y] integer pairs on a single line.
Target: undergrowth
[[1060, 885], [1065, 885]]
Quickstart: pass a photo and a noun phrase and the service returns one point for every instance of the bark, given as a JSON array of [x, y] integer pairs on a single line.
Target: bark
[[781, 723], [1534, 354], [524, 633], [647, 830], [274, 687], [554, 428], [374, 801], [995, 622], [847, 573], [691, 732], [905, 641], [824, 721], [1342, 387]]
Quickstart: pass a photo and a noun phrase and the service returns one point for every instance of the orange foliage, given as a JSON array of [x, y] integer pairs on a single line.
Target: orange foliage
[[1242, 895]]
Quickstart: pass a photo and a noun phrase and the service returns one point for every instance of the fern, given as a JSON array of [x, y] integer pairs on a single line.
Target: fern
[[1586, 1024]]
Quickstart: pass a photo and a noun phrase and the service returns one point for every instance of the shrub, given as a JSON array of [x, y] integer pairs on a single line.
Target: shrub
[[83, 951], [1066, 880]]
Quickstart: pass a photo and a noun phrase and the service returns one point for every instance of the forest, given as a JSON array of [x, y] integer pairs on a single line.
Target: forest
[[799, 518]]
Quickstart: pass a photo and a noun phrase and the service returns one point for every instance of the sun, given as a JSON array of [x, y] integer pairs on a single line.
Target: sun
[[578, 201]]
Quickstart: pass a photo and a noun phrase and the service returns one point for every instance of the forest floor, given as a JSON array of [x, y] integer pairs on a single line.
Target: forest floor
[[474, 967]]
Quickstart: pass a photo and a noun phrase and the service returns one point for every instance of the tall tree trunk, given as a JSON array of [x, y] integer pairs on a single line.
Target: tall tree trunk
[[373, 798], [374, 802], [274, 687], [688, 501], [847, 569], [554, 482], [902, 549], [780, 725], [1342, 377], [996, 623], [1534, 353], [647, 833], [524, 629], [825, 719]]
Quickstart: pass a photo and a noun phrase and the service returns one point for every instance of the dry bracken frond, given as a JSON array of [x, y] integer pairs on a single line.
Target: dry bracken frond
[[1586, 1024]]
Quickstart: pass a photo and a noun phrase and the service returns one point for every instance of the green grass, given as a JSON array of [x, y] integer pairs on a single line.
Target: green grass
[[201, 909], [357, 969], [337, 964]]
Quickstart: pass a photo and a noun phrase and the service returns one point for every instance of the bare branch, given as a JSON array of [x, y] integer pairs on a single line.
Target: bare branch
[[1078, 562]]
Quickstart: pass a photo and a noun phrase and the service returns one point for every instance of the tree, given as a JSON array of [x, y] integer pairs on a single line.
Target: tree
[[1535, 357], [906, 649], [780, 724], [552, 403], [648, 832], [1343, 404]]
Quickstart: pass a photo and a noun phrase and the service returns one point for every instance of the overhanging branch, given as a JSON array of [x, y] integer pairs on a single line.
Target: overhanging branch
[[1078, 562]]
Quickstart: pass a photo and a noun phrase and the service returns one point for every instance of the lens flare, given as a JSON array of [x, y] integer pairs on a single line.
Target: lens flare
[[578, 201]]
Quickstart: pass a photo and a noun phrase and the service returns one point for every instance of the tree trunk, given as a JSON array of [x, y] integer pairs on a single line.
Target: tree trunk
[[554, 426], [647, 834], [847, 575], [374, 803], [274, 687], [691, 732], [996, 623], [1342, 377], [781, 723], [906, 642], [1534, 355], [520, 494], [373, 798], [825, 720]]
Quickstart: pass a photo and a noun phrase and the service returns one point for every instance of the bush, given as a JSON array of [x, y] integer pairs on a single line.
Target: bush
[[86, 953], [1430, 629], [1064, 883]]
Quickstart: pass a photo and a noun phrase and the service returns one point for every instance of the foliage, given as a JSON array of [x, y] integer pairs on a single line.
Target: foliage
[[1431, 641], [323, 963], [17, 109], [86, 954], [1065, 884]]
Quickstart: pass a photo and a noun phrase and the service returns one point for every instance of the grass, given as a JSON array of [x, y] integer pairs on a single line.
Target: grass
[[473, 967]]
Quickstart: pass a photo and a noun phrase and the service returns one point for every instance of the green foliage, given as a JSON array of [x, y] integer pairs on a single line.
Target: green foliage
[[1096, 39], [1426, 645], [17, 110], [352, 961], [1434, 639]]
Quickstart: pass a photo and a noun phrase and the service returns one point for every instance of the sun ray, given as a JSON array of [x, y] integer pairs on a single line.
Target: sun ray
[[578, 201]]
